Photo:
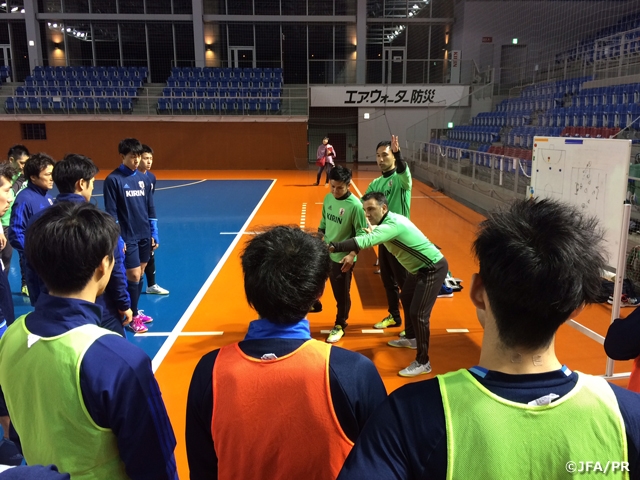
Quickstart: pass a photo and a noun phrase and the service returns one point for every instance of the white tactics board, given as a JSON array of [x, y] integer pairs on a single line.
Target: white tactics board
[[589, 173]]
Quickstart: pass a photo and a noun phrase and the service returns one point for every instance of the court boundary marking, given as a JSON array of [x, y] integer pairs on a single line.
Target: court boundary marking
[[165, 188], [186, 316]]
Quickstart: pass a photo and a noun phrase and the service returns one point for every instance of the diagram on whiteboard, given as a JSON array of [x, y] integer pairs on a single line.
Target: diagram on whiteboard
[[588, 189], [550, 170]]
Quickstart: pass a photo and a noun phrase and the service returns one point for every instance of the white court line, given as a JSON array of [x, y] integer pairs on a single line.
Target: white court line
[[238, 233], [325, 332], [182, 334], [457, 330], [356, 189], [164, 188], [372, 330], [435, 196], [173, 336]]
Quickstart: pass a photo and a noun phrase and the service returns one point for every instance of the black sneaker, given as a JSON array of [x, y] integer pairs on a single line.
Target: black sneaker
[[316, 307], [9, 454]]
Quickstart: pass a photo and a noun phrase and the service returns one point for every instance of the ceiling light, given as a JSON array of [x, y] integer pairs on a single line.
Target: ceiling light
[[14, 9]]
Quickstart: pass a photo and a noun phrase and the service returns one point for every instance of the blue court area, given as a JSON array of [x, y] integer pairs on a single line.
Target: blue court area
[[191, 217]]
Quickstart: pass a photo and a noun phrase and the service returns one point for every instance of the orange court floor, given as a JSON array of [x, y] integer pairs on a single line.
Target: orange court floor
[[456, 335]]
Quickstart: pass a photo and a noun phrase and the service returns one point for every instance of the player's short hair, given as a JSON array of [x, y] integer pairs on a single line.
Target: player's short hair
[[67, 242], [325, 138], [539, 261], [384, 143], [285, 270], [377, 196], [37, 163], [70, 169], [17, 151], [130, 145], [340, 174], [147, 149], [7, 171]]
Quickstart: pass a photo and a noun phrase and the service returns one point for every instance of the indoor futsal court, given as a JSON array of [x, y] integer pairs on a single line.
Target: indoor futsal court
[[204, 219]]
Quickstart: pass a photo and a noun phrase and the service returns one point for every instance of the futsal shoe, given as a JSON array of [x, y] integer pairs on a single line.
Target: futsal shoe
[[415, 369], [387, 322], [335, 334], [24, 290], [625, 301], [136, 325], [404, 342], [402, 334], [157, 290], [144, 318]]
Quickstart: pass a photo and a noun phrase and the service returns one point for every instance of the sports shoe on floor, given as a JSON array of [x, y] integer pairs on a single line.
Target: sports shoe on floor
[[136, 325], [24, 290], [144, 318], [415, 369], [386, 322], [404, 342], [335, 334], [315, 184], [9, 454], [626, 301], [445, 295], [377, 272], [316, 307], [157, 290], [402, 334]]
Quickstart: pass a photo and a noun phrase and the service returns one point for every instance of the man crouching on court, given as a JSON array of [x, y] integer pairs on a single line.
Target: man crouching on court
[[286, 406]]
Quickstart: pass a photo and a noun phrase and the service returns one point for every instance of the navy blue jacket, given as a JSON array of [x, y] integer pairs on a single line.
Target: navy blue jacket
[[152, 180], [6, 300], [356, 390], [407, 437], [118, 388], [128, 198], [28, 202], [115, 297]]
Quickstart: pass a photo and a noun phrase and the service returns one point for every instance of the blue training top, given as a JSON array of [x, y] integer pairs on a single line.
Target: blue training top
[[128, 198], [28, 202]]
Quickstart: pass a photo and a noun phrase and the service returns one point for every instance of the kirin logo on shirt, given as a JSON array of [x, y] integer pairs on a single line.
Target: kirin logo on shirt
[[341, 212], [141, 183]]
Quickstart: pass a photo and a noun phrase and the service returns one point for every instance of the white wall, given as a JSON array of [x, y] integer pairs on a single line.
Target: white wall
[[546, 27]]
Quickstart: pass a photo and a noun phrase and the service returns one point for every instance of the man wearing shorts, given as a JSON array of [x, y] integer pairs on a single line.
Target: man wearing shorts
[[128, 198]]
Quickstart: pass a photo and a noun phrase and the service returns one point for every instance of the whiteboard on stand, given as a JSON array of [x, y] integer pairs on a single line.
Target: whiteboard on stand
[[589, 173]]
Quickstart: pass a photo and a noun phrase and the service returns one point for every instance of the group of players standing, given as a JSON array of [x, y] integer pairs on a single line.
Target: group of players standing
[[411, 267], [128, 197]]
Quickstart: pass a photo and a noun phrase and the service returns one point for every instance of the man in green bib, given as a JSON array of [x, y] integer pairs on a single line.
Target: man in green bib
[[519, 413], [342, 218], [81, 397]]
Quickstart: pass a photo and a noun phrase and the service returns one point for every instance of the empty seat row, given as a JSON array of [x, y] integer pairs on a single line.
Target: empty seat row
[[613, 95], [77, 91], [228, 73], [473, 133], [68, 105], [83, 82], [63, 73], [607, 116], [223, 83], [217, 105], [222, 92]]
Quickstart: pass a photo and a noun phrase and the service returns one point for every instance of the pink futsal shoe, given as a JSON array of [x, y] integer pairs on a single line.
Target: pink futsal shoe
[[136, 325], [144, 318]]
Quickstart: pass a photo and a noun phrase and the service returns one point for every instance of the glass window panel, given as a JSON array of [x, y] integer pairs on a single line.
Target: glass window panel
[[240, 35], [267, 7], [295, 7], [129, 6], [321, 42], [184, 45], [240, 7], [160, 51], [50, 6], [105, 40], [294, 54], [79, 52], [75, 6], [324, 7], [4, 33], [158, 6], [182, 6], [345, 7], [21, 55], [214, 7], [268, 46], [134, 44], [103, 6]]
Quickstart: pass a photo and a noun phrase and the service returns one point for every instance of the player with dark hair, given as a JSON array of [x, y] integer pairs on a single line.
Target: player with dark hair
[[146, 161], [17, 156], [96, 397], [519, 413], [395, 183], [342, 218], [29, 201], [129, 199], [74, 176], [279, 402], [426, 270], [325, 159]]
